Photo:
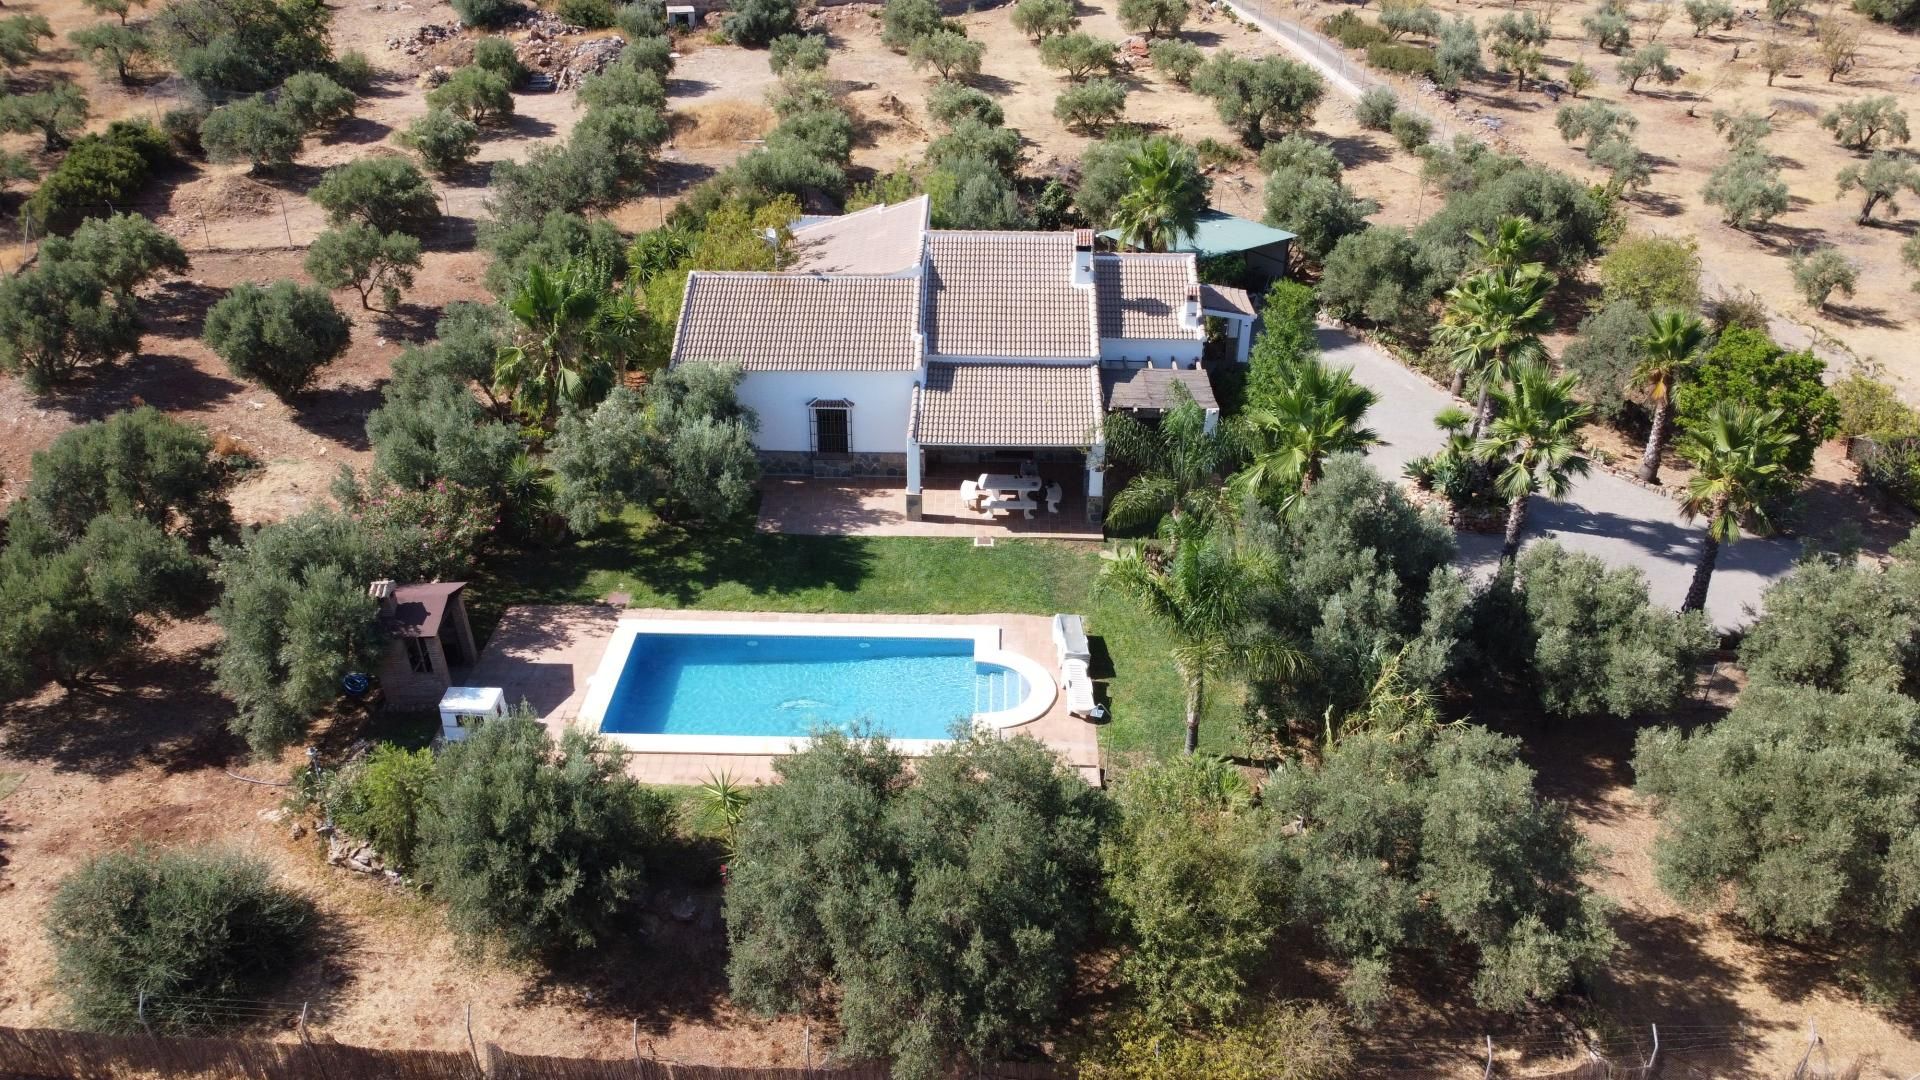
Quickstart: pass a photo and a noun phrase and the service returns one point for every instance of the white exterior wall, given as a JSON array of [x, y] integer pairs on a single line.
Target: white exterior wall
[[881, 400], [1130, 350]]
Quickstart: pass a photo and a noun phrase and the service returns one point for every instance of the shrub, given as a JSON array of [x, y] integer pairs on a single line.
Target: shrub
[[354, 71], [381, 801], [388, 193], [314, 101], [1606, 351], [361, 256], [973, 193], [1652, 271], [445, 142], [253, 131], [1820, 274], [591, 14], [951, 102], [1077, 54], [998, 146], [1092, 105], [59, 315], [1307, 1037], [1362, 877], [1180, 870], [1579, 78], [135, 464], [1287, 340], [279, 336], [647, 19], [1154, 18], [100, 171], [537, 842], [1039, 18], [798, 53], [485, 12], [1179, 59], [620, 85], [984, 862], [1411, 131], [1376, 108], [1317, 210], [652, 54], [1838, 626], [1351, 31], [496, 54], [1869, 406], [1746, 367], [182, 929], [1400, 59], [476, 94], [754, 23], [1456, 56]]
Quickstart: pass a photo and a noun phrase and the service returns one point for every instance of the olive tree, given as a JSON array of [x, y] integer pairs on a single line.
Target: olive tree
[[388, 193], [1821, 273], [1880, 180], [1867, 124], [1153, 18], [445, 142], [1260, 98], [140, 463], [360, 256], [252, 130], [279, 336], [1748, 190], [535, 842], [939, 914]]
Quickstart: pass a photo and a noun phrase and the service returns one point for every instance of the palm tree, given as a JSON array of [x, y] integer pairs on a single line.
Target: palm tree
[[1536, 440], [1317, 413], [573, 339], [1735, 454], [1511, 245], [1177, 464], [1165, 195], [1206, 593], [1493, 321], [1672, 339]]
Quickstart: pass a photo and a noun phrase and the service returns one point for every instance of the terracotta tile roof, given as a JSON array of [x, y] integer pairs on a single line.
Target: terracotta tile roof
[[1007, 405], [1153, 389], [1140, 295], [799, 322], [1008, 294], [881, 239], [1225, 298]]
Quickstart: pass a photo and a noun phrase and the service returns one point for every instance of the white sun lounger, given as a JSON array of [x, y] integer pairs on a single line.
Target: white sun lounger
[[1079, 688], [1070, 639]]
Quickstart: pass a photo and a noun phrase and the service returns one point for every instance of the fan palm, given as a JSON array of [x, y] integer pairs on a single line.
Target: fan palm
[[1735, 455], [1164, 197], [1510, 246], [1206, 592], [1536, 441], [1493, 321], [1177, 464], [572, 340], [1672, 339], [1317, 412]]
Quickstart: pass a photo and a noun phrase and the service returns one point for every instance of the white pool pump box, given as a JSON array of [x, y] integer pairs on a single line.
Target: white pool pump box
[[462, 706]]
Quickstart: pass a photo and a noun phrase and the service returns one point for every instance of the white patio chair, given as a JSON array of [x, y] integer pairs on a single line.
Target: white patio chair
[[1054, 495], [970, 495]]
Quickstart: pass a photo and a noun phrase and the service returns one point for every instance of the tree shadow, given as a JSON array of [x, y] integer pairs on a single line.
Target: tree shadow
[[522, 126], [337, 413], [679, 86], [178, 308], [356, 131], [667, 966], [1657, 203], [1356, 150], [408, 321], [1206, 39], [164, 380], [159, 709], [992, 84], [1861, 315]]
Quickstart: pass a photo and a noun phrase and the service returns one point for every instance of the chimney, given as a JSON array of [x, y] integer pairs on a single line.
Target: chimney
[[1190, 310], [1083, 258], [382, 591]]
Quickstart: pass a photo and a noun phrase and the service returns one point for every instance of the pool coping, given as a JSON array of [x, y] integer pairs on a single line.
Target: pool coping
[[1042, 689]]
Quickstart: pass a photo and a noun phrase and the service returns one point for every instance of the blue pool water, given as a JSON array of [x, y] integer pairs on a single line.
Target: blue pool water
[[715, 684]]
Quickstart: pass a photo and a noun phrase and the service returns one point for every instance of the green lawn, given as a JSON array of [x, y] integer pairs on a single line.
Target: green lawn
[[660, 566]]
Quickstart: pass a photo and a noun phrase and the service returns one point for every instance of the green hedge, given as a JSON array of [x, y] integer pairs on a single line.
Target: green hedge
[[1403, 59]]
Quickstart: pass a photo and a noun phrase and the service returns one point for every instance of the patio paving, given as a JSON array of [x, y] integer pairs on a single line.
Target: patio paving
[[545, 654], [877, 507]]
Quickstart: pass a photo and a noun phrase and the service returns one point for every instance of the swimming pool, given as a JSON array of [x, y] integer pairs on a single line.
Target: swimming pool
[[730, 686]]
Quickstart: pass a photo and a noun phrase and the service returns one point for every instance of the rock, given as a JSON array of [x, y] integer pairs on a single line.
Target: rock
[[274, 816], [297, 831]]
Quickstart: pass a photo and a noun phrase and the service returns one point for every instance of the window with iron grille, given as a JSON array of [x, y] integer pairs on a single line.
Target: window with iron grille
[[832, 426]]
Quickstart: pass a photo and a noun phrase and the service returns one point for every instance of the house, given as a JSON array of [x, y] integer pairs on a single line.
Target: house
[[886, 346], [428, 636]]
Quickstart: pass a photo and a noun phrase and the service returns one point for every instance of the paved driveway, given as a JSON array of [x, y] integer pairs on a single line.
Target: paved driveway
[[1604, 515]]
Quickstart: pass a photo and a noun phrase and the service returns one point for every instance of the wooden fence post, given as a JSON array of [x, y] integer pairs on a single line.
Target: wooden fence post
[[313, 1054], [479, 1066]]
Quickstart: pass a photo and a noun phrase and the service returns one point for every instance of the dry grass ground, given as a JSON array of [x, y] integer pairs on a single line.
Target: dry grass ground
[[1721, 71]]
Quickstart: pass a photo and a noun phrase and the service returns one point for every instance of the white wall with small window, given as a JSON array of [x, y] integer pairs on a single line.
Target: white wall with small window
[[830, 412]]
